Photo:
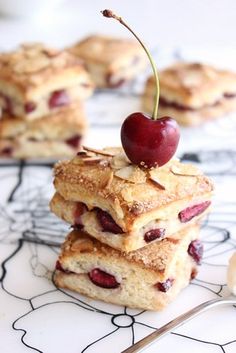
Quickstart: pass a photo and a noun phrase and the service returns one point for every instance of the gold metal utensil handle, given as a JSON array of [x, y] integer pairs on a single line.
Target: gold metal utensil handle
[[180, 320]]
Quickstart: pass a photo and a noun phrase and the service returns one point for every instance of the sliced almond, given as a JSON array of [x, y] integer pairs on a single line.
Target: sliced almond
[[92, 160], [120, 161], [85, 154], [87, 160], [82, 245], [104, 152], [154, 177], [125, 173], [156, 183], [185, 170], [133, 174]]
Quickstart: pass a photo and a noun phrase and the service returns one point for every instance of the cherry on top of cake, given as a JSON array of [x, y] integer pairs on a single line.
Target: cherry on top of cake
[[148, 141]]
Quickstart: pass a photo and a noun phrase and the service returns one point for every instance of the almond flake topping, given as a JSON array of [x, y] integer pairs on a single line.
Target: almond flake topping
[[132, 174], [87, 160], [185, 170], [157, 183], [92, 160], [109, 152], [120, 161], [154, 177]]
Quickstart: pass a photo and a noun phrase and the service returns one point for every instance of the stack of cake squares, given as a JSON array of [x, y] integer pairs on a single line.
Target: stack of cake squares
[[41, 99], [135, 238]]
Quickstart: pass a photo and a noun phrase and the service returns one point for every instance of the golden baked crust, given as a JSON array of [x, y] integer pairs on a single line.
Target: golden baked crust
[[110, 61], [33, 70], [59, 125], [126, 191], [138, 274], [193, 85]]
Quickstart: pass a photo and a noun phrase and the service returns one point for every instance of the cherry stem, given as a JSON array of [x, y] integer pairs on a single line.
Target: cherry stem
[[110, 14]]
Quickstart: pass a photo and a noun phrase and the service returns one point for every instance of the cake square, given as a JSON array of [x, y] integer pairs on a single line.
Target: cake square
[[110, 61], [125, 206], [148, 278], [56, 135], [193, 93], [36, 80]]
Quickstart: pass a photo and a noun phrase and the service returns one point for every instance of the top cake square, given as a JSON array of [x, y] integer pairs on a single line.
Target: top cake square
[[125, 206], [35, 80], [110, 61]]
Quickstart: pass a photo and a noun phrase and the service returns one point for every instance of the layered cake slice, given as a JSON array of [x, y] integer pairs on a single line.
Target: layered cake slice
[[148, 278], [36, 80], [126, 206], [56, 135], [110, 61], [193, 93]]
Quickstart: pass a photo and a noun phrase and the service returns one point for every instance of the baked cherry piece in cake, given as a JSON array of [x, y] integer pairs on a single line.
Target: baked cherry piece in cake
[[193, 93], [126, 206], [149, 278], [110, 61], [37, 81], [56, 135]]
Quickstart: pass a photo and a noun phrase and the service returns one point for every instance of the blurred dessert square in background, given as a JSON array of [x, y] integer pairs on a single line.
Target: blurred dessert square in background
[[36, 80], [110, 61], [41, 98], [192, 93], [54, 135]]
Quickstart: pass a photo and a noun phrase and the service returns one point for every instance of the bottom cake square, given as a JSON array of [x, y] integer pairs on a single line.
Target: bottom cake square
[[148, 278]]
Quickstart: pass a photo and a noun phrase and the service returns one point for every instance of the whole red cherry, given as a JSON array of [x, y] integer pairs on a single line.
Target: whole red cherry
[[148, 141]]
